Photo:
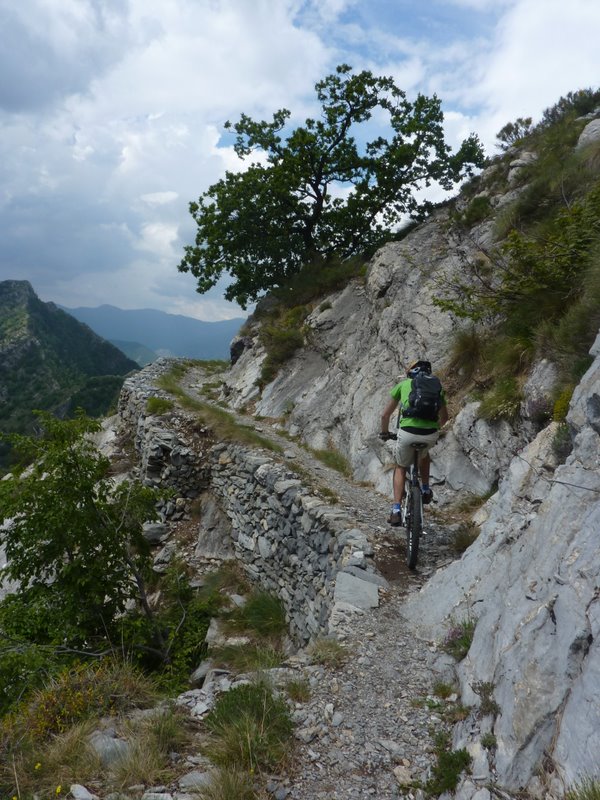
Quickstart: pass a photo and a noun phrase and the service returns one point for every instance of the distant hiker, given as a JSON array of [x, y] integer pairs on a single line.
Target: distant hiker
[[422, 412]]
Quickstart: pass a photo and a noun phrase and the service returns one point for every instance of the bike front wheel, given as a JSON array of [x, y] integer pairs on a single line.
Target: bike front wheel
[[414, 526]]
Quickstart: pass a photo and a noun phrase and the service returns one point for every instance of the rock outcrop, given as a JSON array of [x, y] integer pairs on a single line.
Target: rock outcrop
[[289, 541], [530, 582], [359, 342]]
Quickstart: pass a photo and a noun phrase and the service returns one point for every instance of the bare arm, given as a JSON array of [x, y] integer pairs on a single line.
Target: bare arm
[[387, 413]]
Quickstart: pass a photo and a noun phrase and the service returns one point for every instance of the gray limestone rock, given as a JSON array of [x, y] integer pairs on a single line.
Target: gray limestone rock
[[538, 553], [155, 532], [590, 134], [79, 792], [356, 591], [194, 781], [108, 747]]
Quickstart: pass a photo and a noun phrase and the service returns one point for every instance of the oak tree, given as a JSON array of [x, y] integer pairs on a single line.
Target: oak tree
[[327, 190]]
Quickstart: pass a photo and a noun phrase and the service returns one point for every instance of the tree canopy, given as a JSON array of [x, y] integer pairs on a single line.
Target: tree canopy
[[325, 191], [74, 544]]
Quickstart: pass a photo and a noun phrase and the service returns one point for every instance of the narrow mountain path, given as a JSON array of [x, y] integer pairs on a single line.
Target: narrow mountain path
[[365, 732]]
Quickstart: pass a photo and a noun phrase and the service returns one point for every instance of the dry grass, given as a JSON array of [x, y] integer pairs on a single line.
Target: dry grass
[[328, 652], [250, 728], [229, 784], [298, 690], [67, 758]]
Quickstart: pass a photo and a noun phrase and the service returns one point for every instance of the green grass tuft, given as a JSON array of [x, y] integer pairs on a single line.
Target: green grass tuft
[[503, 401], [229, 784], [158, 405], [250, 728], [458, 639], [298, 690], [448, 768], [331, 458], [328, 652], [587, 789], [262, 613]]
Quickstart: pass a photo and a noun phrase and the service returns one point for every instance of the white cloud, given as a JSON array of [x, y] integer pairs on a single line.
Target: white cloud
[[113, 112], [159, 198], [481, 5], [158, 238], [542, 50]]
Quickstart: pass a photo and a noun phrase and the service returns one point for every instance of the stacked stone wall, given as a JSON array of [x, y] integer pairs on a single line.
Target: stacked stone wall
[[290, 542]]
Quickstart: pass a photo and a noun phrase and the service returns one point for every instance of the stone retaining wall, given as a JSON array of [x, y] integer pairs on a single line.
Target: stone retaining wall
[[290, 542]]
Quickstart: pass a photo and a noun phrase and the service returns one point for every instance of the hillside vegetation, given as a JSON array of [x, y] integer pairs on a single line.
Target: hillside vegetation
[[51, 362], [533, 293], [536, 293]]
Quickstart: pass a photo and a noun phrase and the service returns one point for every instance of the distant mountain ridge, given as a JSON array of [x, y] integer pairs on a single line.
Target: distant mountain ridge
[[52, 362], [164, 334]]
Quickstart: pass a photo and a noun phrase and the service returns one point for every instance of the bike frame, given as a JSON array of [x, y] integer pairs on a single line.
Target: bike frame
[[412, 507]]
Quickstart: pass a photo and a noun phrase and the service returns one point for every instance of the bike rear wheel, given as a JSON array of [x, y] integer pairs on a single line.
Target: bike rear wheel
[[414, 526]]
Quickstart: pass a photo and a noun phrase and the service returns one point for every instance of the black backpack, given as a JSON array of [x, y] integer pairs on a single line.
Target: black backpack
[[425, 398]]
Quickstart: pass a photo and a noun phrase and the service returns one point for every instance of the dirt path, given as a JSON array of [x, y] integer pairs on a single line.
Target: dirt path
[[365, 732]]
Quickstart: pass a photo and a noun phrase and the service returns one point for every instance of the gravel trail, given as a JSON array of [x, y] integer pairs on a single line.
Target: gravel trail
[[366, 730]]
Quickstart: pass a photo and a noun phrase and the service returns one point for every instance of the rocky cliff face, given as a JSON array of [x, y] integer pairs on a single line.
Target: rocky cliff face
[[359, 340], [530, 583], [333, 392]]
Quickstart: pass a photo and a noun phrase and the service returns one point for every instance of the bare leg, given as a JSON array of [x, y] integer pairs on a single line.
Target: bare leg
[[398, 483], [424, 466]]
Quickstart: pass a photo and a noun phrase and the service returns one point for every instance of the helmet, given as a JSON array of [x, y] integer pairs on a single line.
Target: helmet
[[419, 366]]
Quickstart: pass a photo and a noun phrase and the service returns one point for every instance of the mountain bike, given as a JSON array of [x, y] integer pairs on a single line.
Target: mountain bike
[[412, 506]]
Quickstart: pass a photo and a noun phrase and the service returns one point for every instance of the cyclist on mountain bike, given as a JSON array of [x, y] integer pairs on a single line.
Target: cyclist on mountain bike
[[412, 429]]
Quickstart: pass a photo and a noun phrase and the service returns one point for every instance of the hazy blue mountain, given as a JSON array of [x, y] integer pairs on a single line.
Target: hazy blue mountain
[[141, 354], [165, 334]]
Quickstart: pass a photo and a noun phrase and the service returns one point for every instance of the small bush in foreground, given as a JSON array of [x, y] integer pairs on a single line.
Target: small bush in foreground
[[250, 728], [447, 770], [78, 693]]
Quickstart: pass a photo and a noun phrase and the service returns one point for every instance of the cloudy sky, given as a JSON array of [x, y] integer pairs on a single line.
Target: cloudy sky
[[112, 112]]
